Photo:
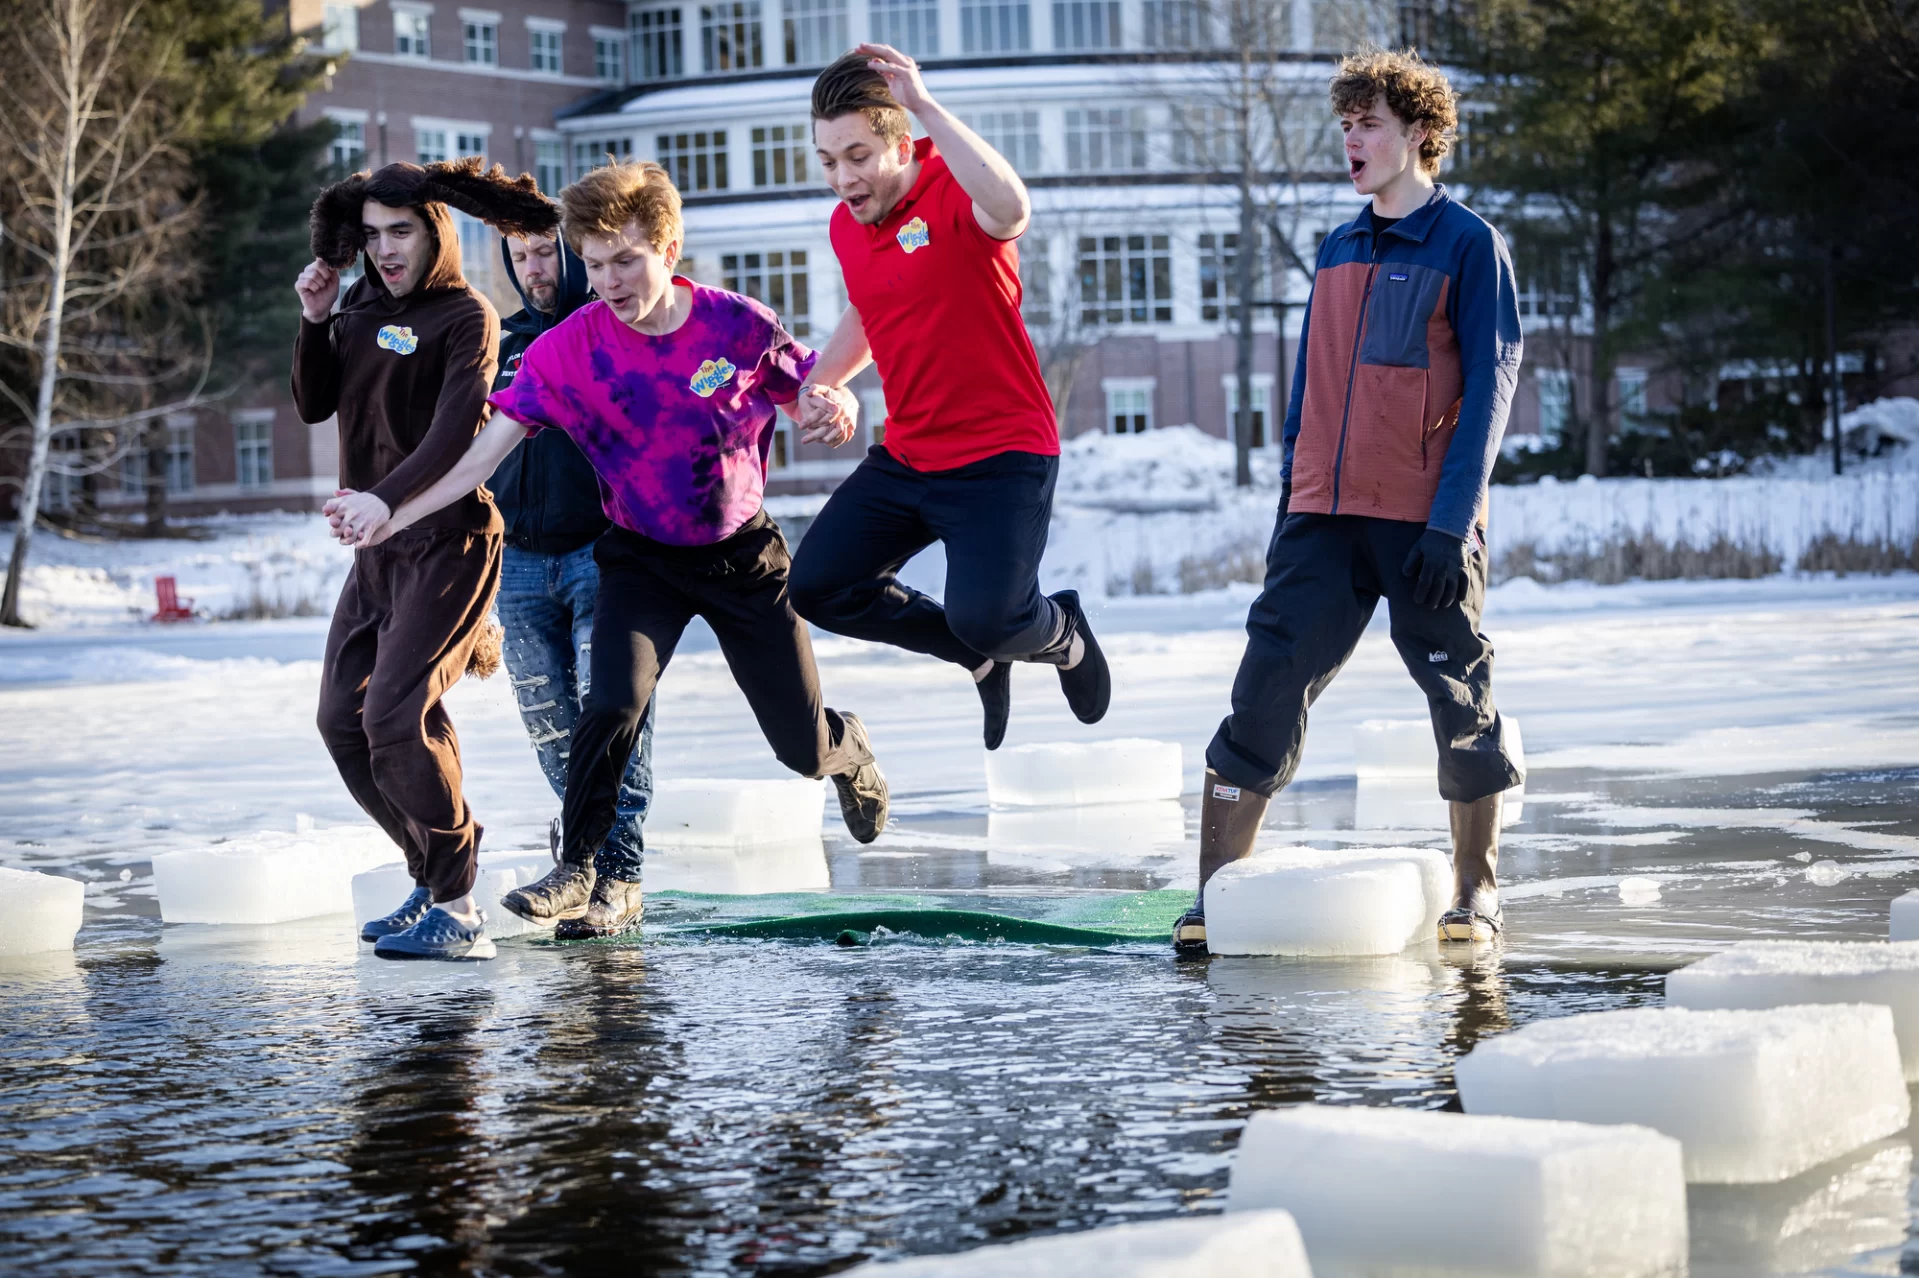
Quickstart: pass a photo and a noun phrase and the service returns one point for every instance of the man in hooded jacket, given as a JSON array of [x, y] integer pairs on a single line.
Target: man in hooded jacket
[[549, 498]]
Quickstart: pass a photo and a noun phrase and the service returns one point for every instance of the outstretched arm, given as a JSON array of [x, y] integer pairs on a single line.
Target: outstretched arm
[[363, 519], [1001, 205]]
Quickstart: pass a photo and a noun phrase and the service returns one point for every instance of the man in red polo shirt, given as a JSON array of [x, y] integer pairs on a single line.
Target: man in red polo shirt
[[924, 234]]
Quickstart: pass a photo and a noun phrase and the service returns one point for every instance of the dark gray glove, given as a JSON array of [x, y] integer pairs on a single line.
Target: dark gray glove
[[1439, 561]]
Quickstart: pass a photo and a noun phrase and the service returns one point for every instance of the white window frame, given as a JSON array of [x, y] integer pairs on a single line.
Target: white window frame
[[1108, 139], [726, 25], [340, 28], [911, 26], [1086, 26], [545, 31], [781, 278], [589, 153], [549, 161], [347, 118], [412, 10], [1129, 404], [661, 30], [609, 54], [1113, 256], [1630, 383], [815, 31], [1264, 434], [1015, 134], [996, 26], [180, 466], [1554, 387], [253, 443], [784, 162], [456, 136], [696, 159], [480, 35]]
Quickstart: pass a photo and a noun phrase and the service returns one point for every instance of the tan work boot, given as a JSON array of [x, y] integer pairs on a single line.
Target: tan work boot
[[562, 894], [1475, 915], [1229, 818], [614, 909]]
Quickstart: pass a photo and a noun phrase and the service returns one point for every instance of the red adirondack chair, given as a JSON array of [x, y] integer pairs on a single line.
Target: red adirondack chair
[[171, 609]]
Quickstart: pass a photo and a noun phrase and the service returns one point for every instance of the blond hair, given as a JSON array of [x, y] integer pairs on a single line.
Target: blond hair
[[1413, 89], [603, 201]]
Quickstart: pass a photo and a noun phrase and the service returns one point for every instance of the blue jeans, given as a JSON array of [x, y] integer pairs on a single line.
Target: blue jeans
[[546, 608]]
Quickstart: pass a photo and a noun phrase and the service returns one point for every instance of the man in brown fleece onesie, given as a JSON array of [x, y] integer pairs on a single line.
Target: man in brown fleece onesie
[[406, 365]]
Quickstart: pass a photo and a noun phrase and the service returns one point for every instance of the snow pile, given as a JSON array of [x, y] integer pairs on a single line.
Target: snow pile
[[1174, 468], [276, 565], [1891, 420]]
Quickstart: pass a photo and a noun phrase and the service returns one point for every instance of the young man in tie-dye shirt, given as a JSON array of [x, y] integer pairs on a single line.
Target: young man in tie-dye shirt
[[670, 390]]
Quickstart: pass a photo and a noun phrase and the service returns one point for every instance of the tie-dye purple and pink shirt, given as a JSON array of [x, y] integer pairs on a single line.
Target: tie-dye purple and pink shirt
[[677, 426]]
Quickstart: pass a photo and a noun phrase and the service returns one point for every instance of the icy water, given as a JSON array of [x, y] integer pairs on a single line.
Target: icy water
[[194, 1099]]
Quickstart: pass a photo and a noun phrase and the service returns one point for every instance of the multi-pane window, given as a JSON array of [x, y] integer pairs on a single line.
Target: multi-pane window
[[549, 164], [1129, 405], [544, 49], [1203, 139], [1106, 140], [63, 483], [778, 279], [779, 154], [469, 144], [911, 26], [1014, 134], [431, 145], [1086, 24], [253, 449], [591, 153], [349, 144], [482, 43], [730, 35], [410, 33], [1035, 281], [1218, 259], [1555, 402], [1125, 279], [1174, 24], [340, 28], [695, 160], [609, 57], [995, 26], [1631, 384], [1261, 407], [657, 50], [815, 31], [180, 457]]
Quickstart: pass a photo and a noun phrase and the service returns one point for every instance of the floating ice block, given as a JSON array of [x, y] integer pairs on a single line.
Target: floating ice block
[[1905, 917], [38, 912], [379, 891], [1310, 901], [1753, 1096], [1816, 1222], [1259, 1244], [269, 877], [1105, 830], [1757, 974], [1408, 803], [796, 866], [1397, 765], [1402, 1191], [1128, 770], [718, 812]]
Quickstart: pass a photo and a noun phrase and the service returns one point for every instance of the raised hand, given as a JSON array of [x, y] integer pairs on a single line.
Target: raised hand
[[318, 286], [828, 415], [901, 73]]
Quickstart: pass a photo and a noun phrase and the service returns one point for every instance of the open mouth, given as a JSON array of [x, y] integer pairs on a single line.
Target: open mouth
[[1356, 166], [857, 202], [393, 274]]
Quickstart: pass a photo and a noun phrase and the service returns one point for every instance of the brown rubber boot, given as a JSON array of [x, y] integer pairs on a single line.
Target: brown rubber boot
[[613, 910], [562, 894], [1229, 818], [1475, 915]]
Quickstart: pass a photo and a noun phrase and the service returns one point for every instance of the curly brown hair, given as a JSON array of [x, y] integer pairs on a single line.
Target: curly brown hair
[[1413, 89], [604, 200], [851, 84]]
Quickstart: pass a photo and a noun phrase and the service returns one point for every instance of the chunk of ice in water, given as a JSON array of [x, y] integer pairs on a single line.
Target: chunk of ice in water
[[722, 812], [269, 877], [1814, 1223], [39, 913], [1905, 917], [1382, 1191], [1104, 830], [1758, 974], [1054, 773], [1752, 1095], [379, 891], [1396, 762], [1638, 890], [1826, 873], [1407, 748], [1307, 901], [1254, 1244], [756, 869]]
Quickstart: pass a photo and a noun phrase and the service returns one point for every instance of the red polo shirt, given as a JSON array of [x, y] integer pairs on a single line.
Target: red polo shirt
[[939, 299]]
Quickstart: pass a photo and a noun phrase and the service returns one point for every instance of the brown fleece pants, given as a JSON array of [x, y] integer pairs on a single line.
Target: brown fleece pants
[[412, 612]]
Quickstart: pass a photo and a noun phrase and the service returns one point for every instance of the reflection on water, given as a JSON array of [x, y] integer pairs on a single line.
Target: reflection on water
[[275, 1100]]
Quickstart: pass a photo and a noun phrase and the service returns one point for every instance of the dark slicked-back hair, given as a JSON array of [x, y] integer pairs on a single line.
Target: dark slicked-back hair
[[850, 85]]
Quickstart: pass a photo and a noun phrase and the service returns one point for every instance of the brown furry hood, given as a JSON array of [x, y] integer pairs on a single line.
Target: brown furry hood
[[511, 206]]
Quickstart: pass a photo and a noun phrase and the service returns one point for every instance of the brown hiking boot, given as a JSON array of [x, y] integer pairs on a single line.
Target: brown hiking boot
[[613, 910], [1229, 818], [562, 894], [1475, 915], [863, 793]]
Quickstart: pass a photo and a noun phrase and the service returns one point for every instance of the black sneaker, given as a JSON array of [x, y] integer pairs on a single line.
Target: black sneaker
[[438, 936], [996, 698], [614, 910], [1189, 934], [411, 911], [1089, 685], [863, 798], [562, 894]]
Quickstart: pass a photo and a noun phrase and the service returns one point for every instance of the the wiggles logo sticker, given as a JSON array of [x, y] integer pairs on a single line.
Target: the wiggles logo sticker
[[713, 374], [914, 235], [399, 340]]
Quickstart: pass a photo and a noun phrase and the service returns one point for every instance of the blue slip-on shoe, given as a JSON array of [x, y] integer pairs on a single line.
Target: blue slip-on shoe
[[411, 911], [438, 936]]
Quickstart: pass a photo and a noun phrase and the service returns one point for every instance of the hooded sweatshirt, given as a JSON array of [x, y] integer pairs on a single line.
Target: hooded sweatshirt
[[546, 489], [408, 378]]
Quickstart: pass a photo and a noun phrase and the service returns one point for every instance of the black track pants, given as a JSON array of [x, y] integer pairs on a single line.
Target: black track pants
[[1324, 576], [649, 591]]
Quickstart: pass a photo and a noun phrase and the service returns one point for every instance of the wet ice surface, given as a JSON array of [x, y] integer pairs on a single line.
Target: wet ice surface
[[274, 1100]]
